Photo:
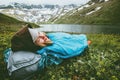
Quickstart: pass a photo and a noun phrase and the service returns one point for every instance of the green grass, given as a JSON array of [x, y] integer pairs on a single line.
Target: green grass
[[99, 62], [108, 14]]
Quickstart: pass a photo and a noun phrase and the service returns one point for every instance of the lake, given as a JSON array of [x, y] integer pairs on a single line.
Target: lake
[[74, 28]]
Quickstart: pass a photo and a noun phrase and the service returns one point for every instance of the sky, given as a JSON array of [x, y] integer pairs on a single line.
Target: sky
[[60, 2]]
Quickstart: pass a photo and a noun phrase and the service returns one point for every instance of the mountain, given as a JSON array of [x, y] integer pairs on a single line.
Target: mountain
[[11, 24], [26, 6], [94, 12], [34, 13]]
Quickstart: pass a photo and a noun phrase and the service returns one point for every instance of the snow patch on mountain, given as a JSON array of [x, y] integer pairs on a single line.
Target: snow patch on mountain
[[106, 0], [96, 9]]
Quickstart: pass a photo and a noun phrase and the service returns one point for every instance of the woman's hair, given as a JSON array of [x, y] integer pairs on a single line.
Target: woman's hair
[[22, 40]]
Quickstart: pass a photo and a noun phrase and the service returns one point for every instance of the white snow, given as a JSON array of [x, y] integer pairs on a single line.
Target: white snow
[[80, 8], [84, 6], [87, 5], [93, 3], [10, 12], [18, 12], [106, 0], [96, 9], [1, 10]]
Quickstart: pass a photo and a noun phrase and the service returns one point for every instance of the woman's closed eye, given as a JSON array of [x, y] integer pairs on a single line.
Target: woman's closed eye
[[39, 40]]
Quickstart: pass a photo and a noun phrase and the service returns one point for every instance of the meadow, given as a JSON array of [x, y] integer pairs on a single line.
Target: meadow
[[101, 61]]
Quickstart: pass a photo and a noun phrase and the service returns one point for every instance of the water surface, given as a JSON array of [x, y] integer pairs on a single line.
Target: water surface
[[73, 28]]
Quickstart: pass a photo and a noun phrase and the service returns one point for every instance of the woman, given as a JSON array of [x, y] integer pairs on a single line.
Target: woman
[[28, 39]]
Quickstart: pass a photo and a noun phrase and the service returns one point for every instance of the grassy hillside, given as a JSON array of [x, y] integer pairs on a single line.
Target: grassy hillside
[[10, 24], [108, 14]]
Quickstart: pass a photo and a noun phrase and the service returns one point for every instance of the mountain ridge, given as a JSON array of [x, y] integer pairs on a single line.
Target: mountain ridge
[[35, 13], [31, 6], [107, 14]]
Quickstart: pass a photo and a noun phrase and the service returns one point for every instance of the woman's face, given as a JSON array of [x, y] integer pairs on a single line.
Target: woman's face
[[42, 39]]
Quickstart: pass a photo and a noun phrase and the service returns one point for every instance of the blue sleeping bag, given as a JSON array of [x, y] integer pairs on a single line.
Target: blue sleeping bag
[[64, 46]]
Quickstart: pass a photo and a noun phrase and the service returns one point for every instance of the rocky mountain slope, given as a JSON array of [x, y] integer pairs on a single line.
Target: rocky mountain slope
[[35, 13], [94, 12]]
